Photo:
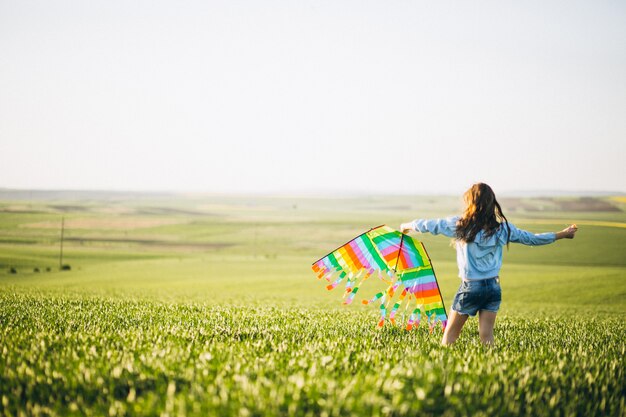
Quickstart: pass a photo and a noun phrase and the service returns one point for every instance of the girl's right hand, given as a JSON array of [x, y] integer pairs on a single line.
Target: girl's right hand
[[405, 228]]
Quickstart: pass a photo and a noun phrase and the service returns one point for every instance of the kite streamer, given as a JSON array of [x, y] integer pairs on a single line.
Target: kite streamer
[[398, 260]]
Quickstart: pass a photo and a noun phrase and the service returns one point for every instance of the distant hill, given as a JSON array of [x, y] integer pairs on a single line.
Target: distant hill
[[33, 195]]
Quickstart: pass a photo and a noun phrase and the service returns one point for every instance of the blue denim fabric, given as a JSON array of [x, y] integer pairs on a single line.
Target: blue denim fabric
[[476, 295]]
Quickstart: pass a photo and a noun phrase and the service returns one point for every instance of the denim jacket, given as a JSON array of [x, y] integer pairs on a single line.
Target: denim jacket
[[481, 258]]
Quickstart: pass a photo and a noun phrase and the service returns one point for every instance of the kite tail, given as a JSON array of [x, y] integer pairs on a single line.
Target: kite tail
[[436, 314], [437, 319], [319, 271], [349, 285], [396, 306], [324, 273], [387, 294], [391, 290], [384, 306], [350, 294], [392, 315], [337, 281], [374, 298], [383, 314], [432, 321], [382, 277], [414, 319]]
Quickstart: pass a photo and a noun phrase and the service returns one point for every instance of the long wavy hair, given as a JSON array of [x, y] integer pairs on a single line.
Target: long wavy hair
[[482, 212]]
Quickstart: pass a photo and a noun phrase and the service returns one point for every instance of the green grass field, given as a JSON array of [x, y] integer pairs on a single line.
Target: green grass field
[[205, 305]]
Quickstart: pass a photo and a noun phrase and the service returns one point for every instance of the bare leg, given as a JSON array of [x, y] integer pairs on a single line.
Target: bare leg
[[486, 321], [454, 327]]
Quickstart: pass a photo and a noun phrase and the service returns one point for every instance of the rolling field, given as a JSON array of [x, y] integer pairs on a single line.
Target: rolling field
[[200, 305]]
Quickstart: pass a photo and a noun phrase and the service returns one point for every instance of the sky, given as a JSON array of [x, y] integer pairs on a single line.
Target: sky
[[302, 96]]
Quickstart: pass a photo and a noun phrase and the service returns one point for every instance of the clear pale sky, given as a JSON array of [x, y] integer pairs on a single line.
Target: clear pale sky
[[313, 96]]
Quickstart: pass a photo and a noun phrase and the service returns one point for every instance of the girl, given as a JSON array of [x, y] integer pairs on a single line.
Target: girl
[[480, 233]]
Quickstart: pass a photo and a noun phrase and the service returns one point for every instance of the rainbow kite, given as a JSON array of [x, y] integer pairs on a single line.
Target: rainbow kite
[[401, 262]]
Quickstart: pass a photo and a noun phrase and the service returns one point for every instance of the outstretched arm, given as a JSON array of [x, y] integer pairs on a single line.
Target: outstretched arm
[[528, 238], [446, 227]]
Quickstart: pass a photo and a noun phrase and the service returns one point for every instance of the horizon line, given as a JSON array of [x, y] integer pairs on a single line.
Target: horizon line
[[313, 193]]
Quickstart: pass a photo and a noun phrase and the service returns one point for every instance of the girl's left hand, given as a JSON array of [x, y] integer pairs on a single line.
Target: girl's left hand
[[570, 231], [567, 233], [405, 228]]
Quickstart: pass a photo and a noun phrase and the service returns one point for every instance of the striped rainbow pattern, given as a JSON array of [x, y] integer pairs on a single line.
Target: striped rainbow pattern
[[398, 260]]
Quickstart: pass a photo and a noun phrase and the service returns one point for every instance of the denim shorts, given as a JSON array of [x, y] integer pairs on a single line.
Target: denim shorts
[[476, 295]]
